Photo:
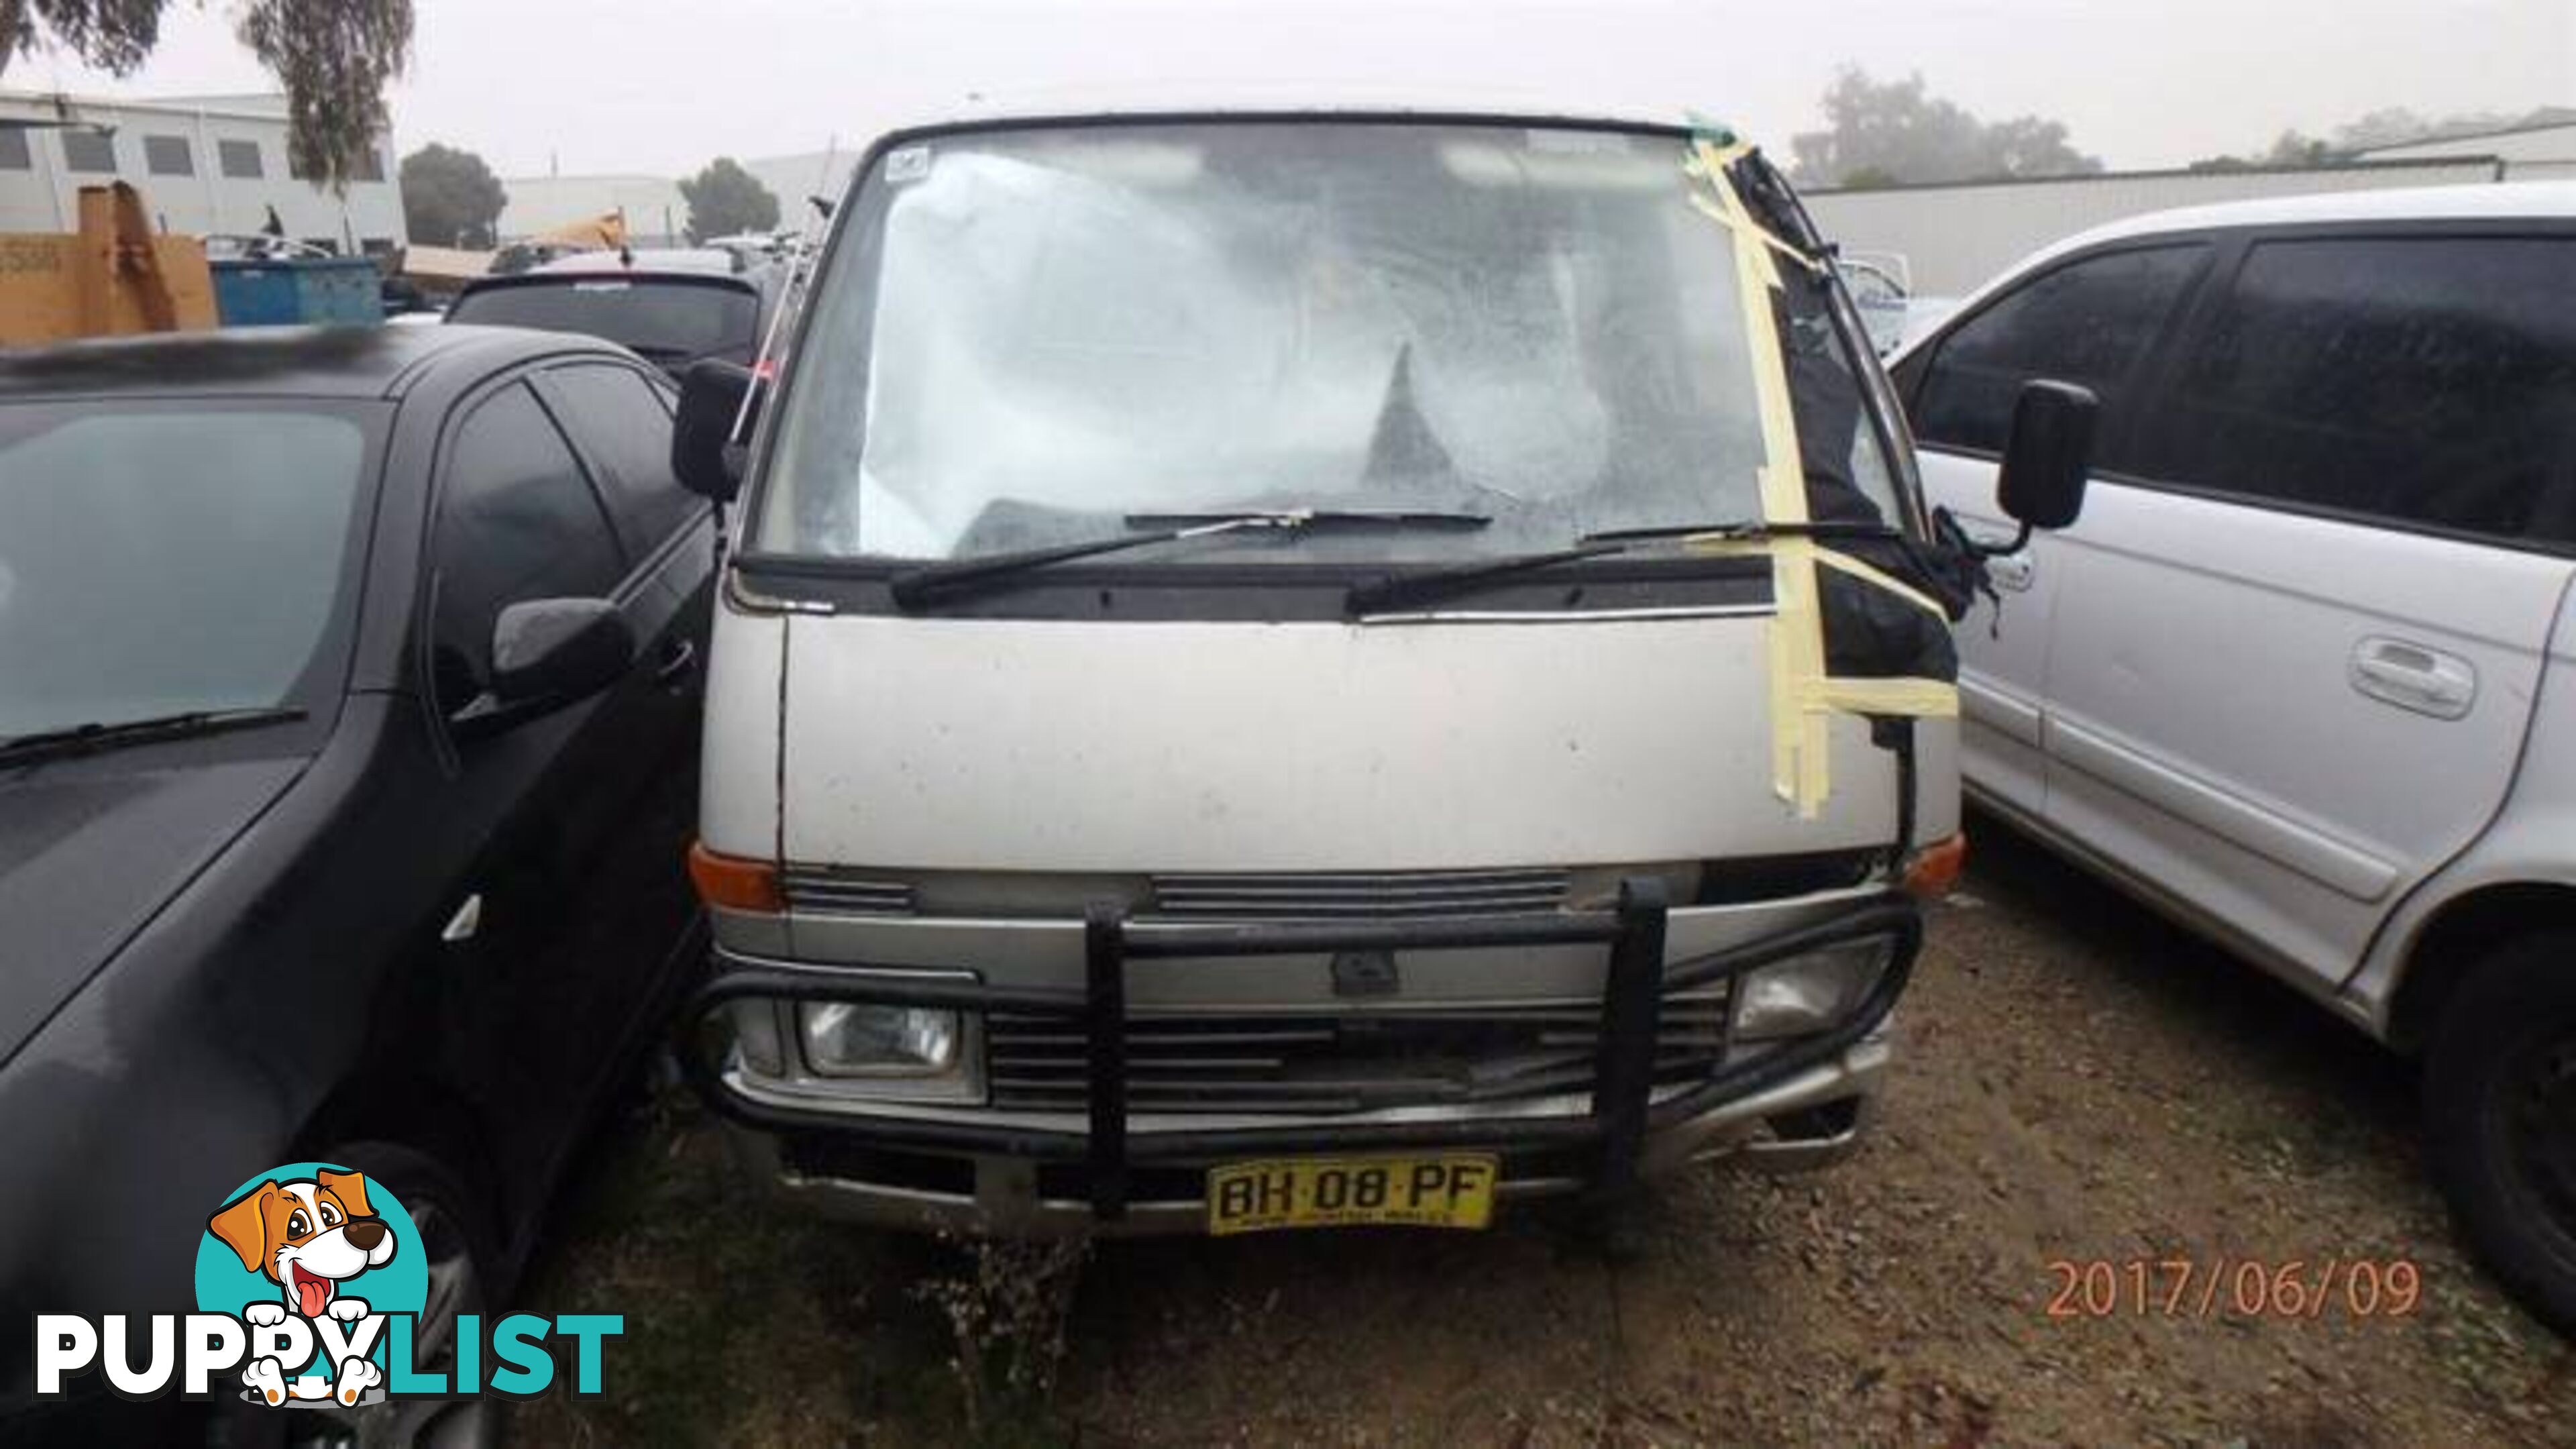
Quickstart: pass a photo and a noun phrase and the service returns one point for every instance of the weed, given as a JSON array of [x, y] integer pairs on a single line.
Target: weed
[[1007, 1310]]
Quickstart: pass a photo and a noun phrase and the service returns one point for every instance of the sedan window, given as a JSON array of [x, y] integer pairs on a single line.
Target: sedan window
[[2089, 322], [668, 322], [516, 520], [167, 559], [624, 425], [2423, 379]]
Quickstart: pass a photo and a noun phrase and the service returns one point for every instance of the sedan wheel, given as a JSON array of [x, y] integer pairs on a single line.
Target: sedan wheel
[[2500, 1120], [451, 1239]]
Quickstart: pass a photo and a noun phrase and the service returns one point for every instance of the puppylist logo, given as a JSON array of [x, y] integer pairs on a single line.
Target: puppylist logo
[[311, 1281]]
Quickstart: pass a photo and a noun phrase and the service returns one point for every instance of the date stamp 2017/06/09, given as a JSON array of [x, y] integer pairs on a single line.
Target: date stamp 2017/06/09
[[2222, 1287]]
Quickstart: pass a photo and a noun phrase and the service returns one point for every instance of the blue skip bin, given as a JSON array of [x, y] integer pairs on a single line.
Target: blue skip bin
[[340, 290]]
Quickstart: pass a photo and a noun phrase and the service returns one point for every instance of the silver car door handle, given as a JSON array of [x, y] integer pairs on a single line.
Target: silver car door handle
[[2014, 572], [2413, 677]]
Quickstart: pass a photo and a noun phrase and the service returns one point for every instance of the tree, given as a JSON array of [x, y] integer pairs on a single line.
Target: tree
[[332, 56], [1890, 132], [450, 198], [724, 199], [2291, 148], [2388, 126], [2392, 126]]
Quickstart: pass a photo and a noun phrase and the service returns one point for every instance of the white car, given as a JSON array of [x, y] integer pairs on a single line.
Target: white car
[[2304, 675]]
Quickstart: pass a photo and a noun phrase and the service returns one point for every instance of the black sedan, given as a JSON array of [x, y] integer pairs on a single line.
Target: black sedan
[[348, 710]]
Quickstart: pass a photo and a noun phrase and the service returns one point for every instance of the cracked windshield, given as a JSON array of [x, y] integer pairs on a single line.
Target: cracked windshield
[[1055, 329]]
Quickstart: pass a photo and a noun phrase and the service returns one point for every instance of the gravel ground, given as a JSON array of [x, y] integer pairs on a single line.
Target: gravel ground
[[2077, 1083]]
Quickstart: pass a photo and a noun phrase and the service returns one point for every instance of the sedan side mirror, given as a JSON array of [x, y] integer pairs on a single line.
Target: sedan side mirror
[[2049, 454], [703, 454], [548, 653], [559, 650]]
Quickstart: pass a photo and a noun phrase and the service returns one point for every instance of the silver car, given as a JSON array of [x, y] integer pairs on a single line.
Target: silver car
[[2305, 674]]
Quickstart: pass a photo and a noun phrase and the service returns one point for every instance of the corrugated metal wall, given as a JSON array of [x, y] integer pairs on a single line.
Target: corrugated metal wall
[[1956, 237]]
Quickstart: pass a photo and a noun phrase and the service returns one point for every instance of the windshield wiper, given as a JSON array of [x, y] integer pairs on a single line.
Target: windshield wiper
[[82, 739], [1748, 528], [931, 583], [1407, 590], [1362, 517], [1415, 589]]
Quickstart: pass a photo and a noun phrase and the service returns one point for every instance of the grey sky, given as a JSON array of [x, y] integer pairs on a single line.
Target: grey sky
[[662, 85]]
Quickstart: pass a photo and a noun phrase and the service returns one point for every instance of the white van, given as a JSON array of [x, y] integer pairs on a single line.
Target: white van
[[1292, 668], [2305, 676]]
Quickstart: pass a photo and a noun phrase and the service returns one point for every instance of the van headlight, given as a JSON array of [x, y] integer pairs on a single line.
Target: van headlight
[[1810, 992], [856, 1039]]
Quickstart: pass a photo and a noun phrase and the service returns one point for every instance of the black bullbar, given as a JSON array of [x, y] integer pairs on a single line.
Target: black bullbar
[[1622, 1110]]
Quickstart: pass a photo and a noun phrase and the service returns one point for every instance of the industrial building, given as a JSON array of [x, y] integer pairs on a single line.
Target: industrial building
[[1953, 236], [206, 165], [2525, 153]]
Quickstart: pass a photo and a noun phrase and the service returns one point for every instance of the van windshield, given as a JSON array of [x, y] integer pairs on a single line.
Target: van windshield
[[1026, 336]]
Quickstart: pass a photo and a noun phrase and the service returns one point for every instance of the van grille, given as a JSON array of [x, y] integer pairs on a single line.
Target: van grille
[[1382, 895], [809, 888], [1319, 1064]]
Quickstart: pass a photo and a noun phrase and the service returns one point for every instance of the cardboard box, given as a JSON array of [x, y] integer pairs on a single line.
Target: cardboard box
[[112, 277]]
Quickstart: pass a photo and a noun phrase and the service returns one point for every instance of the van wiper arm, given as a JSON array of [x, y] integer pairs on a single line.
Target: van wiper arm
[[1400, 591], [1750, 528], [82, 739], [931, 583], [1430, 519], [1414, 589]]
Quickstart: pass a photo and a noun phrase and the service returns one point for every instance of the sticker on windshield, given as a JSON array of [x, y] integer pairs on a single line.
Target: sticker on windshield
[[907, 164]]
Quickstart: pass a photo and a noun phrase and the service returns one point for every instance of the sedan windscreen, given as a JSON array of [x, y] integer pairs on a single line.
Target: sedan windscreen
[[665, 321], [157, 560]]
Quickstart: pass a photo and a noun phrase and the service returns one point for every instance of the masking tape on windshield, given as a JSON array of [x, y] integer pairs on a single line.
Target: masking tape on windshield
[[1803, 696], [1801, 746], [1937, 698], [1870, 573], [1708, 162]]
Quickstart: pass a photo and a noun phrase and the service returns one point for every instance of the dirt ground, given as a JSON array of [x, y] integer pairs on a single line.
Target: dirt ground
[[2078, 1082]]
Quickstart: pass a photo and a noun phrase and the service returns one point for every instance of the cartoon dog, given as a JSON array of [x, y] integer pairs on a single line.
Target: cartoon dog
[[308, 1236]]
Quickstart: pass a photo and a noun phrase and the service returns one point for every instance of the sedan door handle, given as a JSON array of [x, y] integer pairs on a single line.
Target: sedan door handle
[[2014, 572], [677, 660], [2413, 677]]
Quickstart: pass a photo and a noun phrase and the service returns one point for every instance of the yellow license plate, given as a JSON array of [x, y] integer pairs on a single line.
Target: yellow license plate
[[1442, 1190]]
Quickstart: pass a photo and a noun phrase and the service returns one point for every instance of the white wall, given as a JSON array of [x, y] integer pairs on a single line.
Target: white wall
[[45, 197], [1955, 237], [2539, 144]]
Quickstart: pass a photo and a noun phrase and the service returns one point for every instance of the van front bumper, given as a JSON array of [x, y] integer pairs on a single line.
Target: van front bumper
[[1794, 1103]]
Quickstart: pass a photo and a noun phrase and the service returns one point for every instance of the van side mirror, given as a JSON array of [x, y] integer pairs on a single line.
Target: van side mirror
[[2048, 454], [703, 455]]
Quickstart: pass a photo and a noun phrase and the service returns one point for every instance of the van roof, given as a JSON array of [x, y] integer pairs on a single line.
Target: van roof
[[1251, 101]]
